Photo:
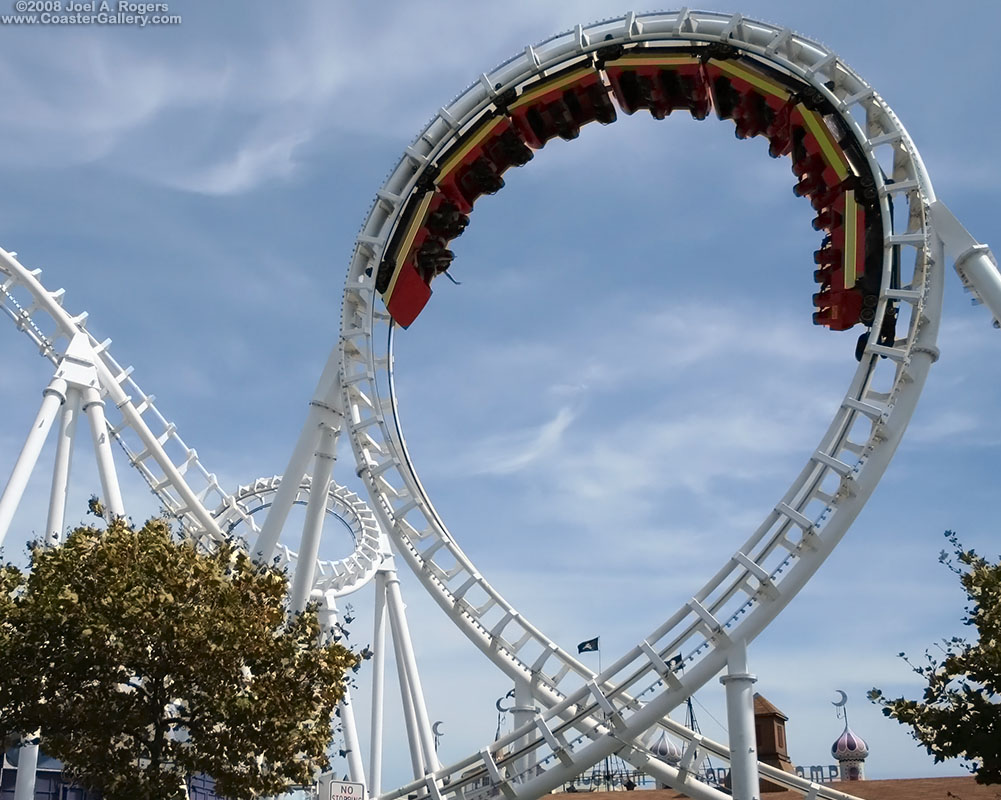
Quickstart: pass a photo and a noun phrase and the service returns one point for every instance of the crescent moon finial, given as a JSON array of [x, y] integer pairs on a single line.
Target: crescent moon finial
[[436, 728], [840, 702], [500, 700]]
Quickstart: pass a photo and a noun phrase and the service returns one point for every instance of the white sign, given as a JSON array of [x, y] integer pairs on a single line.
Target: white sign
[[331, 789]]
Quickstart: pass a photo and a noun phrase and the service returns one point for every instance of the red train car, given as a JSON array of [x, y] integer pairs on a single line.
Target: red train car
[[760, 100]]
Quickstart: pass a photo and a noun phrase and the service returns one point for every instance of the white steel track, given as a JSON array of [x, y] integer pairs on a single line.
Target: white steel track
[[185, 488], [86, 376], [638, 690], [584, 716], [340, 577]]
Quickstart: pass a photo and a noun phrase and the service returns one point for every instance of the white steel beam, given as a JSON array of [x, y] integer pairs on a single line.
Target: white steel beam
[[316, 511], [351, 742], [976, 265], [321, 412], [406, 698], [523, 712], [305, 447], [401, 631], [378, 686], [329, 622], [61, 468], [93, 407], [52, 397], [739, 685]]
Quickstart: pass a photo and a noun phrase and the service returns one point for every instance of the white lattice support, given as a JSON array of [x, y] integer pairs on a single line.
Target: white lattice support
[[496, 778]]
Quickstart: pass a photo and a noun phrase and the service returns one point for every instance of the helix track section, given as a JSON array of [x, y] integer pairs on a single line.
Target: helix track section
[[340, 577]]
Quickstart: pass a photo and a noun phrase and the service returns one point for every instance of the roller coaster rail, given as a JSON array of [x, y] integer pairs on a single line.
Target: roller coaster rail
[[582, 717], [798, 534], [86, 375], [173, 471]]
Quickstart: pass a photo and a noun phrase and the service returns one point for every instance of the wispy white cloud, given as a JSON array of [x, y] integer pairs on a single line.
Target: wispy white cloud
[[76, 103], [506, 454], [253, 163], [942, 427], [681, 414], [94, 97]]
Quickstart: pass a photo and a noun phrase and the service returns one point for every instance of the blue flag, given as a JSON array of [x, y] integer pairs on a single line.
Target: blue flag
[[590, 646]]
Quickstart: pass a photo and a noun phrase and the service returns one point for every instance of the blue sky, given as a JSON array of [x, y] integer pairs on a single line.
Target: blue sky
[[624, 383]]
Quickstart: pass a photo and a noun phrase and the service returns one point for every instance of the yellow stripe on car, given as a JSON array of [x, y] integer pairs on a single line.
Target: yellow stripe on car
[[550, 86], [463, 151], [834, 155], [755, 79], [416, 223], [851, 239]]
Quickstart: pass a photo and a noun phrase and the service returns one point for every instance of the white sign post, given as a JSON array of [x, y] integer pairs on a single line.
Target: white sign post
[[331, 789]]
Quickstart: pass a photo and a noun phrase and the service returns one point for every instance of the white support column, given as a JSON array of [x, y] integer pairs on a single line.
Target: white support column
[[312, 529], [328, 618], [273, 523], [406, 699], [351, 741], [378, 686], [397, 611], [522, 712], [61, 468], [739, 683], [27, 766], [52, 398], [974, 261], [93, 407], [323, 409]]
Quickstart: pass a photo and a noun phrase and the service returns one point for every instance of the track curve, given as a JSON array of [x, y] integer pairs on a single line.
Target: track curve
[[172, 469], [806, 523], [340, 577]]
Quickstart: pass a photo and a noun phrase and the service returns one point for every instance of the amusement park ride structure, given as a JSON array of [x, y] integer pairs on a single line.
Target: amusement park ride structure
[[881, 264]]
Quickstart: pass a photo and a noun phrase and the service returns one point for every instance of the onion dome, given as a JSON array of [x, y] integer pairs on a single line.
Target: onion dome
[[665, 749], [849, 746]]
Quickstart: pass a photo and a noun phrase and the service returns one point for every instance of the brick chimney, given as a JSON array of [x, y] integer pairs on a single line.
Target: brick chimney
[[770, 733]]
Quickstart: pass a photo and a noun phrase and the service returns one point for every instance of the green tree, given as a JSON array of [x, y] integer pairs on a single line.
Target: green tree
[[143, 659], [959, 715]]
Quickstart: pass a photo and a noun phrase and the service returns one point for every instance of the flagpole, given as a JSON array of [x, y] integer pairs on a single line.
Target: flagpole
[[606, 776], [588, 646]]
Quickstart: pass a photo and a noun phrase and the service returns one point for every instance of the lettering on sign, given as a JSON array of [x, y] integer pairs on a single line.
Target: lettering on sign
[[330, 789], [819, 773]]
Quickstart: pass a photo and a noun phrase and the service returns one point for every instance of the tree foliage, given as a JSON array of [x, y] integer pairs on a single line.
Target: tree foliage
[[142, 659], [959, 715]]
